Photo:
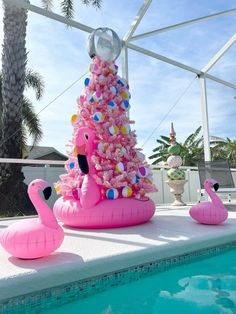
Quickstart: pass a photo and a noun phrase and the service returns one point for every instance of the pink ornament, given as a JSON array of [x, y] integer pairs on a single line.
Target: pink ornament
[[97, 96], [143, 171], [84, 113], [174, 161]]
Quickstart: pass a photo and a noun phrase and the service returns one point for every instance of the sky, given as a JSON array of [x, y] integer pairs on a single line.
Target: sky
[[160, 93]]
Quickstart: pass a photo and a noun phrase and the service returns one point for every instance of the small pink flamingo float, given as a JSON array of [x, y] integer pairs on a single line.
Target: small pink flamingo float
[[209, 213], [89, 210], [34, 237]]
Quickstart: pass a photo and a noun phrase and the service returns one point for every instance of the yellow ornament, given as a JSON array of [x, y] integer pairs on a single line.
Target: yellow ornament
[[125, 129], [125, 95], [57, 188], [73, 118]]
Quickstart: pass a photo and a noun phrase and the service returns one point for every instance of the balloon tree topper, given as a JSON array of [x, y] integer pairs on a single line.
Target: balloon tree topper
[[104, 43]]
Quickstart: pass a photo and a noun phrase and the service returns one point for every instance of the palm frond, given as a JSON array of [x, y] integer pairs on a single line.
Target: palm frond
[[67, 8], [155, 162], [165, 138], [96, 3], [24, 148], [158, 148], [34, 80], [31, 121], [161, 142], [154, 156], [47, 4], [191, 138]]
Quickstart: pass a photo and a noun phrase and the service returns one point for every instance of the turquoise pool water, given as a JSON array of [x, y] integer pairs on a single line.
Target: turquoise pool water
[[203, 287]]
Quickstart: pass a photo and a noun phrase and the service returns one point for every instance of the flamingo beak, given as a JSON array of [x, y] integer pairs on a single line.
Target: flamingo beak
[[47, 192], [216, 186], [82, 159]]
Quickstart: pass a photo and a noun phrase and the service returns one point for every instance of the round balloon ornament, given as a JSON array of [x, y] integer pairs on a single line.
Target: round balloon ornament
[[104, 43]]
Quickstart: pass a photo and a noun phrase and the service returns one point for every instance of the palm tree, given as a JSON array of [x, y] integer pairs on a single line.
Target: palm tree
[[13, 83], [225, 150], [14, 59], [13, 80], [30, 127], [191, 149]]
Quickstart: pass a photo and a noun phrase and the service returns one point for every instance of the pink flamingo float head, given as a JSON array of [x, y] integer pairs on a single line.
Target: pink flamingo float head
[[84, 142], [35, 237], [211, 213]]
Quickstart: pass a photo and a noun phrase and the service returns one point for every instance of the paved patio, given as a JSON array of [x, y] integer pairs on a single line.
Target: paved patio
[[86, 253]]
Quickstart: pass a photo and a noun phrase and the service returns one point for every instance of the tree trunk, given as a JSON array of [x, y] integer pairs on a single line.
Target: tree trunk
[[13, 194]]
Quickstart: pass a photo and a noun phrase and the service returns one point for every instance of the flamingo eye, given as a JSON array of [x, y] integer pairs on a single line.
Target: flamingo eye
[[86, 136]]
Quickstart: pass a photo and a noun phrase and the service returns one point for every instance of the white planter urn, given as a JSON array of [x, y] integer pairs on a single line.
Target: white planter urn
[[177, 189]]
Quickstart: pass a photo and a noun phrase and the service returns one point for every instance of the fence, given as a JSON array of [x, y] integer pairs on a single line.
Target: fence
[[51, 170], [163, 196]]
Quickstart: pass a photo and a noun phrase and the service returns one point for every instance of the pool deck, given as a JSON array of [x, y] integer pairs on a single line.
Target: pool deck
[[87, 253]]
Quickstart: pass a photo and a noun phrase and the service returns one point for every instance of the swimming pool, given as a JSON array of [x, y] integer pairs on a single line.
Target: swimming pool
[[204, 286]]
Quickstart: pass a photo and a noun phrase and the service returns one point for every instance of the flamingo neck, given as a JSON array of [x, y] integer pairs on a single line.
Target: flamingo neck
[[90, 164], [214, 197], [45, 213], [91, 168]]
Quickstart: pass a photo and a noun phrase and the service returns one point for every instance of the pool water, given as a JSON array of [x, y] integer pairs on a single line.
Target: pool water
[[203, 287]]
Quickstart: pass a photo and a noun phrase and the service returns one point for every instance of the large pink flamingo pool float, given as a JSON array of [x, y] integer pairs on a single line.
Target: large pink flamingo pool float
[[34, 237], [90, 210], [210, 213]]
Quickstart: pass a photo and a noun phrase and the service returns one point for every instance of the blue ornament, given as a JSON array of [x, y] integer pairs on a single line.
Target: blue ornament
[[86, 81], [125, 104], [111, 104], [71, 165], [114, 90], [112, 194], [135, 179], [98, 117], [121, 82]]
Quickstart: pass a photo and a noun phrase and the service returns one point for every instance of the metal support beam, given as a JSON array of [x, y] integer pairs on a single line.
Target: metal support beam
[[72, 23], [124, 56], [179, 65], [162, 58], [218, 80], [137, 20], [189, 22], [125, 69], [205, 122], [51, 15], [219, 54]]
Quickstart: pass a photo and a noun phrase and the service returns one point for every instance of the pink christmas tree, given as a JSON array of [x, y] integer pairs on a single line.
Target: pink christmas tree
[[120, 168]]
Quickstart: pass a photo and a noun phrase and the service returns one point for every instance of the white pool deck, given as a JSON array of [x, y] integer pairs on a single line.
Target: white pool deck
[[86, 253]]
